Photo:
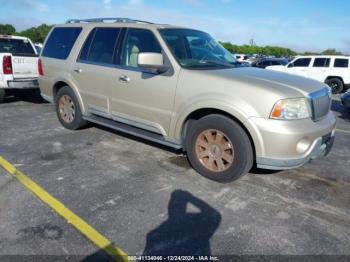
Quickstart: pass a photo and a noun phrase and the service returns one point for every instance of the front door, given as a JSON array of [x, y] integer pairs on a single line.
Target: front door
[[140, 98], [299, 67]]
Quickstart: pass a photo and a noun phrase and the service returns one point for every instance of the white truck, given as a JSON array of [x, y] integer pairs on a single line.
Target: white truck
[[19, 64], [332, 70]]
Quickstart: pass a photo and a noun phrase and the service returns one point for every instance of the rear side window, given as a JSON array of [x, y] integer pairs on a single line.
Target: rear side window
[[341, 62], [100, 46], [302, 62], [17, 47], [60, 42], [322, 62]]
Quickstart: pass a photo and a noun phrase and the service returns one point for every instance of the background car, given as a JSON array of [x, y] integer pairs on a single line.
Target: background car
[[263, 63], [332, 70], [345, 99]]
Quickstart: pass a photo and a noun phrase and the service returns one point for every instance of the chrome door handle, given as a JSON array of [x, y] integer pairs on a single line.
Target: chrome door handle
[[124, 79], [77, 70]]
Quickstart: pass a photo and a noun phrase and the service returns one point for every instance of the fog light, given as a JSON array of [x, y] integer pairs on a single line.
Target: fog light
[[303, 145]]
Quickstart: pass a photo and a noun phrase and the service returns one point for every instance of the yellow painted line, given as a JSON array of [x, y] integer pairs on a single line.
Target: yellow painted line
[[83, 227], [343, 131]]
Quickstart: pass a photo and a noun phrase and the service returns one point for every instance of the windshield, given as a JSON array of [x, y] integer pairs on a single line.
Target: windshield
[[197, 50], [17, 47]]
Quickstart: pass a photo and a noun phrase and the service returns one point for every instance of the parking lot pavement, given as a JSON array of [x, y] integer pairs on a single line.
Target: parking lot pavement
[[147, 200]]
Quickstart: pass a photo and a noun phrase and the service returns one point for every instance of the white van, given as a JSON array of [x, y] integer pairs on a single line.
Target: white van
[[332, 70]]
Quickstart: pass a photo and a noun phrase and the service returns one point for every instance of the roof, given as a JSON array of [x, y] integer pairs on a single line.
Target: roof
[[323, 56], [125, 22], [13, 37]]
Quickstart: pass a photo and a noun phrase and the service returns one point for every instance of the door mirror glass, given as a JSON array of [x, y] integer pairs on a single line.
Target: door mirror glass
[[291, 65], [152, 61]]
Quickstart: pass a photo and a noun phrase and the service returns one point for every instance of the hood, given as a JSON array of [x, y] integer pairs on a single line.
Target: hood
[[280, 81]]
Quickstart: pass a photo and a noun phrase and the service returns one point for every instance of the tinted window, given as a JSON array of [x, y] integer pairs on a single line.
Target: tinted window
[[341, 62], [265, 63], [100, 46], [275, 63], [302, 62], [16, 47], [322, 62], [60, 42], [138, 41]]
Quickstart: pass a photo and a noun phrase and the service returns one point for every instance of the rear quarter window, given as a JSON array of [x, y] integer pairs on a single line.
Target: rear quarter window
[[60, 42], [341, 63]]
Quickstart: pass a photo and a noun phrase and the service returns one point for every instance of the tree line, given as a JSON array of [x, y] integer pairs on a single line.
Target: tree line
[[39, 33], [36, 34]]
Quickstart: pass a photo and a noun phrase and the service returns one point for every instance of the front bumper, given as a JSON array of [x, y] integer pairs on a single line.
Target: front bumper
[[23, 84], [291, 144], [321, 147]]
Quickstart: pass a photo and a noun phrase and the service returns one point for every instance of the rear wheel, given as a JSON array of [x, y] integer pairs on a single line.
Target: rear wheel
[[219, 148], [336, 85], [68, 109]]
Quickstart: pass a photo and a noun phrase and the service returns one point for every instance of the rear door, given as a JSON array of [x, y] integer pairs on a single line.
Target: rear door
[[24, 57], [94, 70], [319, 69]]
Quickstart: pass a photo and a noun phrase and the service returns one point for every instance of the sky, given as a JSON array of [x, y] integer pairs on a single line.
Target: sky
[[302, 25]]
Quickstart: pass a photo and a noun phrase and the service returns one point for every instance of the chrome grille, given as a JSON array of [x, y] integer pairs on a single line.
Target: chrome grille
[[321, 102]]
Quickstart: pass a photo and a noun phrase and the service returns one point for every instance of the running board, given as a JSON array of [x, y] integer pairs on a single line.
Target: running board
[[138, 132]]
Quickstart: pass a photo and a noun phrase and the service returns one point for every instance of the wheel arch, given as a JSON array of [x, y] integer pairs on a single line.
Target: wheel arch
[[238, 118], [337, 77], [59, 83]]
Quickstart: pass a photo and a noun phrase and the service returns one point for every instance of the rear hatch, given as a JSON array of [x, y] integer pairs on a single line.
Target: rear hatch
[[24, 57]]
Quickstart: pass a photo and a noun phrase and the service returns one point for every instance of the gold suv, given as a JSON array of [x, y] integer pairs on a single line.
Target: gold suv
[[180, 88]]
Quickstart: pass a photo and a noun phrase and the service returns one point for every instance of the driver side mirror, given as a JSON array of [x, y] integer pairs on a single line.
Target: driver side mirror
[[152, 61], [291, 65]]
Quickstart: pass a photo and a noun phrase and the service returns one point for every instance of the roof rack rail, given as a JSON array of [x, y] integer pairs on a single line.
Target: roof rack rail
[[109, 19]]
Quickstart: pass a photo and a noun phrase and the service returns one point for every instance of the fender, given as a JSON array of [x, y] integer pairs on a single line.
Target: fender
[[178, 123], [70, 82]]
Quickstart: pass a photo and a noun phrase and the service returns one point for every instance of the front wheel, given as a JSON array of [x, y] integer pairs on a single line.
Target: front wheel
[[219, 148], [336, 85]]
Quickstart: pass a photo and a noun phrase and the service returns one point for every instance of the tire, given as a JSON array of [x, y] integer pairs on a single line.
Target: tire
[[227, 157], [68, 109], [2, 95], [336, 85]]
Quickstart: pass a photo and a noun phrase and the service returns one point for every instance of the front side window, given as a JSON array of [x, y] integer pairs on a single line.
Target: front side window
[[138, 41], [197, 50], [341, 62], [17, 47], [322, 62], [60, 42], [302, 62], [100, 46]]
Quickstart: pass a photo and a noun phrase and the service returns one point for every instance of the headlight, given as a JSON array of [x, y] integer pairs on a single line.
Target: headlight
[[289, 109]]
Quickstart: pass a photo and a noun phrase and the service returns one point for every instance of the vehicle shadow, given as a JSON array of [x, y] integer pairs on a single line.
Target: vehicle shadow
[[185, 232], [339, 108], [27, 95]]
